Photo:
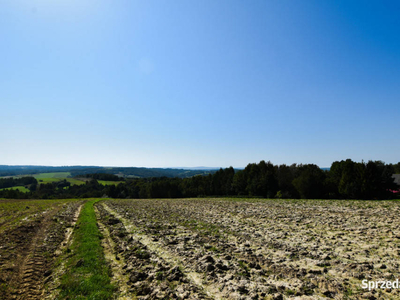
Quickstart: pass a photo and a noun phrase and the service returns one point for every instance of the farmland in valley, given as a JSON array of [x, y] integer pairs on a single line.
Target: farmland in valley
[[59, 176], [19, 188], [197, 249]]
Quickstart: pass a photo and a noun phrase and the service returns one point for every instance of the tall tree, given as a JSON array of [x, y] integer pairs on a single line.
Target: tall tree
[[310, 182]]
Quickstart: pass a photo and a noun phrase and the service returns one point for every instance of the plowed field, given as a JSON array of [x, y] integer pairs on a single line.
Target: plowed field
[[208, 248]]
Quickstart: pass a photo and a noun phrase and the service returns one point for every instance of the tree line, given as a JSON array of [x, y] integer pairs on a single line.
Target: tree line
[[10, 181], [344, 180]]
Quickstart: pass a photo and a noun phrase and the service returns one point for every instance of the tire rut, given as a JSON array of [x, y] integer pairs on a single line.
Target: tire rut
[[32, 257], [115, 262], [57, 271], [34, 265]]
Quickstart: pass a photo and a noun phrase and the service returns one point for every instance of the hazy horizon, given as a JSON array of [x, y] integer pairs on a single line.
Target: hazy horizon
[[198, 83]]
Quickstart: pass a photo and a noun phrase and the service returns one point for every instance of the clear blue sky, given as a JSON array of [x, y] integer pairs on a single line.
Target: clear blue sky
[[198, 83]]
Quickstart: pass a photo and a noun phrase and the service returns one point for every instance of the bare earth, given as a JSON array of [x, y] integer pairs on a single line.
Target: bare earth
[[29, 248], [265, 249], [211, 248]]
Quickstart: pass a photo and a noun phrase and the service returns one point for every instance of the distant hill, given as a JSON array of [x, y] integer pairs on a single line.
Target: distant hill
[[126, 172], [198, 168]]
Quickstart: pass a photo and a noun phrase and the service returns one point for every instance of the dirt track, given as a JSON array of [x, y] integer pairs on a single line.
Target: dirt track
[[28, 249]]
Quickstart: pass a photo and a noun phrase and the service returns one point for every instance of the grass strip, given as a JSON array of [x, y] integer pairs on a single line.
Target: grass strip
[[88, 275]]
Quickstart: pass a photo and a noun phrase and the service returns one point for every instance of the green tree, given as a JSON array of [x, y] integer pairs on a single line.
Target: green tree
[[352, 180], [285, 176], [310, 182]]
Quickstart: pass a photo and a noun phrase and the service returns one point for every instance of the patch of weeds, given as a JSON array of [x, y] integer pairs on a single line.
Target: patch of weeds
[[324, 265], [242, 274], [173, 284], [244, 269], [214, 249], [290, 292], [348, 293], [243, 265]]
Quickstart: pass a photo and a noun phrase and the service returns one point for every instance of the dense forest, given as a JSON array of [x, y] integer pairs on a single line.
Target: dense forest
[[10, 182], [344, 180]]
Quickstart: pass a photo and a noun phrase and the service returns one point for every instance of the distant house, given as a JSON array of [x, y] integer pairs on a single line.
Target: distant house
[[396, 178], [397, 181]]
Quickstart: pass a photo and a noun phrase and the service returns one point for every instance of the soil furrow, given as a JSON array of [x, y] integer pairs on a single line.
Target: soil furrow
[[29, 248], [116, 263], [53, 281], [47, 240], [277, 248], [196, 278]]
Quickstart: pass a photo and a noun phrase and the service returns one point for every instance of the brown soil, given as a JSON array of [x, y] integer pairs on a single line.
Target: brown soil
[[28, 249], [266, 249], [144, 272]]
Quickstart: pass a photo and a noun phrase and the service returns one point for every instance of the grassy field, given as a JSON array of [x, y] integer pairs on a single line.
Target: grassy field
[[54, 177], [105, 182], [75, 181], [51, 177], [20, 188], [58, 176]]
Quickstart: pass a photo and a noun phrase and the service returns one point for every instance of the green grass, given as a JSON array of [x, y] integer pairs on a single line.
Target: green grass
[[51, 177], [56, 176], [20, 188], [60, 175], [75, 181], [87, 275], [105, 182]]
